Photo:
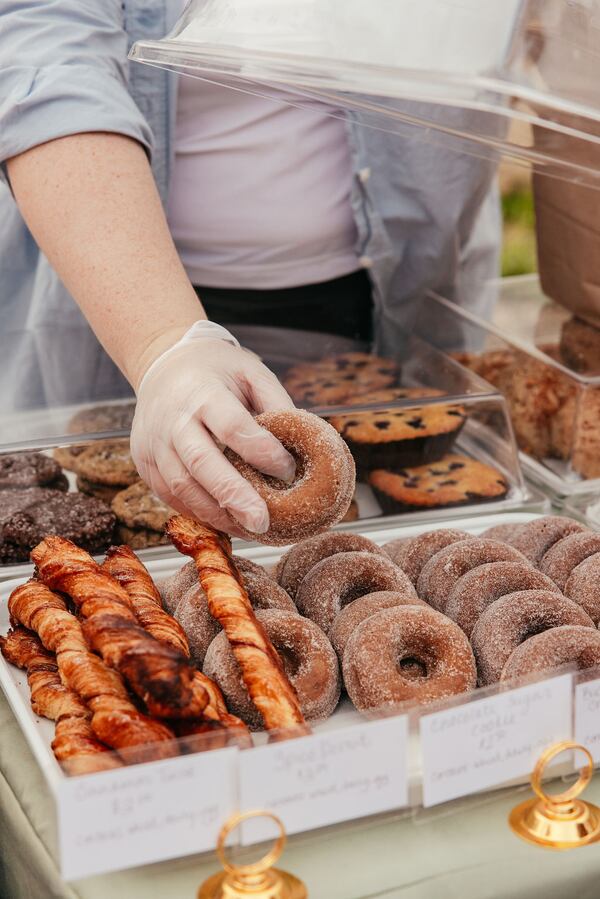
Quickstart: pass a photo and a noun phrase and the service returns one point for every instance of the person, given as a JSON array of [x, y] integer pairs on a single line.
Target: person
[[164, 208]]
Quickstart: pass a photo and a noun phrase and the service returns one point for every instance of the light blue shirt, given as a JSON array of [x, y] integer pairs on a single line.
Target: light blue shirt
[[426, 217]]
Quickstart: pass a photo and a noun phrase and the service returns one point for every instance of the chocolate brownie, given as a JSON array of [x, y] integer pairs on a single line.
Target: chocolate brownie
[[580, 346], [97, 419], [28, 515], [18, 470], [453, 481], [393, 438], [336, 379], [138, 507]]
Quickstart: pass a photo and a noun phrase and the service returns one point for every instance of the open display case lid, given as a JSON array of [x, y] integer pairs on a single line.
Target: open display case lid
[[440, 70]]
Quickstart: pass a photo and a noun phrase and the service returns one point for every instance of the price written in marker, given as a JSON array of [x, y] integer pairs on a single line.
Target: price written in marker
[[145, 813], [494, 740], [326, 778]]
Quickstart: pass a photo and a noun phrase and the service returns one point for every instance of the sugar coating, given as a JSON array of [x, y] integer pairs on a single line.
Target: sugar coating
[[512, 619], [174, 587], [502, 532], [440, 574], [334, 582], [323, 488], [441, 661], [480, 587], [295, 564], [200, 627], [360, 609], [412, 557], [308, 658], [536, 537], [566, 554], [553, 648], [583, 586]]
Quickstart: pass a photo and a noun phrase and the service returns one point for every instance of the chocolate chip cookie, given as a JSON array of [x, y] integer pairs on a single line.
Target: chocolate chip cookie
[[138, 507], [336, 379], [105, 462], [455, 480], [19, 470]]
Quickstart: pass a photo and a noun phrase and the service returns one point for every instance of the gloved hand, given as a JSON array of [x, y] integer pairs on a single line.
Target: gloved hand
[[202, 390]]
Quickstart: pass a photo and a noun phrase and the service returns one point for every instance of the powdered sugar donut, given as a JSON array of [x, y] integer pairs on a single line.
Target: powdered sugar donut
[[360, 609], [535, 538], [440, 574], [553, 648], [583, 586], [509, 621], [295, 564], [334, 582], [307, 656], [480, 587], [407, 654], [173, 588], [413, 556], [566, 554], [323, 488], [503, 532]]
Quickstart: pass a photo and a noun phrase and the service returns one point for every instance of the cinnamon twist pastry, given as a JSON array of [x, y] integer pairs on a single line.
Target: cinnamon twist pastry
[[159, 674], [228, 602], [114, 718], [74, 741], [123, 564]]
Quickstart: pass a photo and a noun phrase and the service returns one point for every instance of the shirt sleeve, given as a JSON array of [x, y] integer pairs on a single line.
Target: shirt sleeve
[[63, 70]]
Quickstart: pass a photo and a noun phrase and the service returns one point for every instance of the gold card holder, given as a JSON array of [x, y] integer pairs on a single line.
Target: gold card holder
[[562, 821], [260, 879]]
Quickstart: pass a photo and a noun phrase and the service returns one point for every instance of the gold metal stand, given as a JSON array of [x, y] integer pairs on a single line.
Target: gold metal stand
[[561, 821], [260, 880]]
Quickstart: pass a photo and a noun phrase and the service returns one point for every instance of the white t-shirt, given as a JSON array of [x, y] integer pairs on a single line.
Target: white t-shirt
[[260, 193]]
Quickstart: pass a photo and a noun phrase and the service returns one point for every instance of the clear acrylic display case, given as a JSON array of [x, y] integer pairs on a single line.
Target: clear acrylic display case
[[546, 364]]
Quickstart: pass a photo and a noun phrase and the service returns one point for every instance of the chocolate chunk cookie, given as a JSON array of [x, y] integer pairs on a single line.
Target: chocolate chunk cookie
[[336, 379], [19, 470], [97, 419], [28, 515], [396, 437], [138, 507], [453, 481], [105, 492], [140, 538], [103, 462]]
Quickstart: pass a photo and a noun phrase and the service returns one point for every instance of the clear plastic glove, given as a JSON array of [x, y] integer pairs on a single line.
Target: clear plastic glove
[[200, 393]]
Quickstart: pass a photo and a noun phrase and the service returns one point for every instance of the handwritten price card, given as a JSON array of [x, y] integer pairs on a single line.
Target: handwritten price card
[[326, 778], [144, 813], [587, 716], [491, 741]]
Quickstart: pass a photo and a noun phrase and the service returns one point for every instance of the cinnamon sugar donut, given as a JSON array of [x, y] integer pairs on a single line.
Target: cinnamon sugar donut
[[583, 586], [480, 587], [566, 554], [173, 588], [322, 489], [413, 556], [407, 654], [440, 574], [509, 621], [536, 537], [334, 582], [553, 648], [308, 658], [360, 609], [295, 564], [502, 532]]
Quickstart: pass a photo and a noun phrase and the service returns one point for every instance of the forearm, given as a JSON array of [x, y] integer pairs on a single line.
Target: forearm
[[91, 204]]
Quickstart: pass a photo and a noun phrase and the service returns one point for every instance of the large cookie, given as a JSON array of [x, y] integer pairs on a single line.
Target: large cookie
[[335, 380], [98, 419], [138, 507], [106, 462], [18, 470]]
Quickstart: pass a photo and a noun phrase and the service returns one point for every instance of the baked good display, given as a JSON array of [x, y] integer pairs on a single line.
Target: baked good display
[[580, 346], [28, 514], [361, 609], [394, 438], [338, 580], [141, 516], [334, 380], [306, 654], [553, 648], [483, 585], [412, 555], [98, 419], [504, 532], [510, 620], [455, 480], [105, 492], [566, 554], [407, 654], [323, 486], [535, 538], [442, 571], [295, 564], [583, 586], [20, 470]]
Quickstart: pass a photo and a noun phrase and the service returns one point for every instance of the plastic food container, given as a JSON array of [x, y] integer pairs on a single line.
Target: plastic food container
[[546, 364]]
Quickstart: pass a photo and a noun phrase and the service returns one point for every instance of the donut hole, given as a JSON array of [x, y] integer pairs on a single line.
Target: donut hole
[[290, 660], [301, 469], [534, 630], [412, 668]]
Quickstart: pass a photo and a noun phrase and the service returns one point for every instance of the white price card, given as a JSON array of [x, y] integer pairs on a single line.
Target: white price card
[[587, 716], [491, 741], [144, 813], [326, 778]]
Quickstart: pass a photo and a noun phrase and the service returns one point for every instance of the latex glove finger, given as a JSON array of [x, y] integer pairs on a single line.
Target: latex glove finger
[[235, 427], [264, 391], [210, 469]]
